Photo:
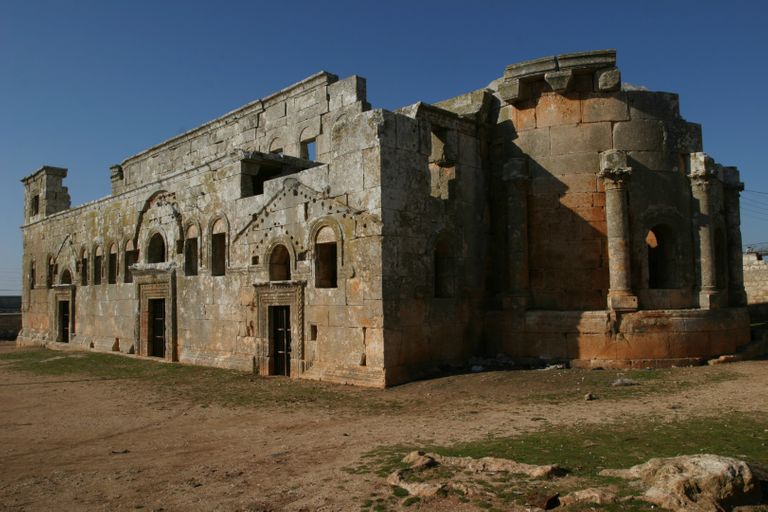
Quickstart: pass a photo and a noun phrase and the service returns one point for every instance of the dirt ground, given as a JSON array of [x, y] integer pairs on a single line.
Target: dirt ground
[[85, 443]]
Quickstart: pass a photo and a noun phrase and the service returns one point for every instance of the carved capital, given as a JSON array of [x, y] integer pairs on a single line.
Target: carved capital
[[616, 175]]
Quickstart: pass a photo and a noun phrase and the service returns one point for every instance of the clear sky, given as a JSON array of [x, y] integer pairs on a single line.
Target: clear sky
[[85, 84]]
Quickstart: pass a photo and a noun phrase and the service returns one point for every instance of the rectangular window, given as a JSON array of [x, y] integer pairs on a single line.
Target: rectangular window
[[84, 271], [32, 277], [218, 254], [97, 269], [34, 208], [112, 270], [49, 278], [325, 265], [308, 149], [190, 257]]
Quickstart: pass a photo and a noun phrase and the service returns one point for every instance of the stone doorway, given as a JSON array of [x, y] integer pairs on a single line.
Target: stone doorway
[[156, 328], [63, 336], [280, 338]]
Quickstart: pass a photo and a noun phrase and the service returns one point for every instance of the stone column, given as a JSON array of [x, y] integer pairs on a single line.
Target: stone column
[[702, 176], [516, 178], [732, 187], [615, 175]]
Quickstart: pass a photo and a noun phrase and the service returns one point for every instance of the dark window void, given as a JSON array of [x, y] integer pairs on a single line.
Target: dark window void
[[32, 276], [112, 268], [662, 258], [253, 175], [130, 258], [721, 260], [34, 207], [325, 265], [156, 249], [309, 149], [97, 269], [445, 278], [51, 273], [66, 277], [218, 254], [190, 257], [84, 271], [280, 264]]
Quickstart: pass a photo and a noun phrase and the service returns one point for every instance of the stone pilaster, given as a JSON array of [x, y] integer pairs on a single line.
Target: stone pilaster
[[732, 188], [702, 178], [615, 175], [516, 178]]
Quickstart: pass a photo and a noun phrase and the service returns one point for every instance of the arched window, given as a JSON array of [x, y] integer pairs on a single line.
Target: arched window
[[191, 251], [131, 257], [66, 277], [280, 264], [721, 260], [276, 147], [112, 265], [662, 257], [98, 258], [84, 267], [156, 249], [51, 272], [326, 254], [32, 275], [219, 248], [445, 278]]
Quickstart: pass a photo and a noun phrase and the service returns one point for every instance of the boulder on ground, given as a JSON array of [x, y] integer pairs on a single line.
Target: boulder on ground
[[696, 482]]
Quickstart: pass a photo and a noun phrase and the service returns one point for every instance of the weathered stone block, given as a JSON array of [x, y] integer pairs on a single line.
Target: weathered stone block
[[608, 79], [581, 138], [643, 134], [557, 109], [602, 107]]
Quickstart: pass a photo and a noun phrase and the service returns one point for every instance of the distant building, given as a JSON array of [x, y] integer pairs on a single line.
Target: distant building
[[10, 316], [550, 215]]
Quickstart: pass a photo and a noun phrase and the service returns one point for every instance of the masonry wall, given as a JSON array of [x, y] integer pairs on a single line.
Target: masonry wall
[[218, 319], [756, 278]]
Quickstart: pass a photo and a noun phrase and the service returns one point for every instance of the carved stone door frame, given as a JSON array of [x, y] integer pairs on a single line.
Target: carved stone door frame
[[62, 293], [155, 281], [285, 293]]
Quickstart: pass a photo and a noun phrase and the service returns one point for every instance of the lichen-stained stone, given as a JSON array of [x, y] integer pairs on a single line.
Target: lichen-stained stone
[[413, 239]]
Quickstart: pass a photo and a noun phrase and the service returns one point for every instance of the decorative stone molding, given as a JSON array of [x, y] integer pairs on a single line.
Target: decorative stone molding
[[282, 293]]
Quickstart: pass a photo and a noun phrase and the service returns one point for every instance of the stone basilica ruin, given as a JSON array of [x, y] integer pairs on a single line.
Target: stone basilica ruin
[[552, 215]]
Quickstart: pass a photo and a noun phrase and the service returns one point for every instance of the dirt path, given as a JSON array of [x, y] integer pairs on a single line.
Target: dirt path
[[90, 444]]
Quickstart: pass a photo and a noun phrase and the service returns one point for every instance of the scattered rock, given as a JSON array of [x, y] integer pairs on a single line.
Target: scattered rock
[[496, 465], [625, 382], [589, 397], [419, 460], [593, 495], [421, 489], [697, 482], [546, 501], [554, 367], [728, 358]]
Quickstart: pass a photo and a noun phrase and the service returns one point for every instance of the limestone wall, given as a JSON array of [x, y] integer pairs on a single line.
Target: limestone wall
[[218, 319], [756, 278]]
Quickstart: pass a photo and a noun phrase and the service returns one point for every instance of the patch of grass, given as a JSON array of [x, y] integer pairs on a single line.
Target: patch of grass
[[411, 501], [400, 492], [584, 450], [201, 385]]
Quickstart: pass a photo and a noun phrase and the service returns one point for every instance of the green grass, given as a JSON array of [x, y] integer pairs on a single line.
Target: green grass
[[584, 450], [200, 385]]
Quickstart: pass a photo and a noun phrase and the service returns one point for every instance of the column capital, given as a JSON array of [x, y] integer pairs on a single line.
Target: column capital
[[613, 167], [703, 168]]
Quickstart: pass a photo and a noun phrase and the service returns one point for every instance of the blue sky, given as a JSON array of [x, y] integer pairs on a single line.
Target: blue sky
[[85, 84]]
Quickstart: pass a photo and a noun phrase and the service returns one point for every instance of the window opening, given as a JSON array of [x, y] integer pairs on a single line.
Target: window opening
[[97, 266], [309, 149], [191, 257], [156, 250], [280, 264], [112, 265], [662, 265]]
